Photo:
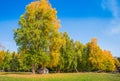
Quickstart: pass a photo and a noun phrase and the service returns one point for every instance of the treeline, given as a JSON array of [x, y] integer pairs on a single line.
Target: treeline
[[74, 57], [13, 62], [41, 45]]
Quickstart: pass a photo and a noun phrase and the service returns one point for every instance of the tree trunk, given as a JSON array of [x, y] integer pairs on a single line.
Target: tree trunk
[[76, 70], [58, 70], [33, 69]]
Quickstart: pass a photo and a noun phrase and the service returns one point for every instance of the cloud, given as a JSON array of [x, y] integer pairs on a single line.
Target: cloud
[[113, 7]]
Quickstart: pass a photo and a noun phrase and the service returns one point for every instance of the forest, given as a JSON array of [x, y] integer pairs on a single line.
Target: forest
[[41, 45]]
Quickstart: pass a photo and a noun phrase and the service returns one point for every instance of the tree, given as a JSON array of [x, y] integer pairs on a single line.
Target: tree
[[23, 60], [118, 59], [56, 42], [1, 56], [14, 62], [79, 51], [109, 62], [93, 56], [117, 64], [97, 59], [38, 34], [7, 58], [66, 54]]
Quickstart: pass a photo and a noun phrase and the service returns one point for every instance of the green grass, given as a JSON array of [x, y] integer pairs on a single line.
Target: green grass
[[60, 77]]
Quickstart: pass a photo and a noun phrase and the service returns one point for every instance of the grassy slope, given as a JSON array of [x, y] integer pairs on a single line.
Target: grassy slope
[[60, 77]]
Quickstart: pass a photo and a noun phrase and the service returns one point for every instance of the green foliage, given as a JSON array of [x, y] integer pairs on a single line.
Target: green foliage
[[70, 55], [118, 59], [6, 62], [14, 62], [78, 57], [41, 45], [117, 64], [38, 34], [67, 51]]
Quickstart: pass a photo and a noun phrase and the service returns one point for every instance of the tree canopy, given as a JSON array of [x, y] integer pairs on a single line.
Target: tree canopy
[[41, 45], [38, 34]]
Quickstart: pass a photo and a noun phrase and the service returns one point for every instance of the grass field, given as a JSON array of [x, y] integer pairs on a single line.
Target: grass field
[[59, 77]]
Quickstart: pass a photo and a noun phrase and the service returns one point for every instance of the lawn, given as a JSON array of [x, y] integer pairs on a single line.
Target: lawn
[[59, 77]]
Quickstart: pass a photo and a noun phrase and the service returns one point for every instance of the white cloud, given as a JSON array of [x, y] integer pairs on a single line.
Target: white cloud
[[112, 5]]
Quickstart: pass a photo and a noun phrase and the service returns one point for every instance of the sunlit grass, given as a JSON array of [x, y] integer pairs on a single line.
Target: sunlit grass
[[59, 77]]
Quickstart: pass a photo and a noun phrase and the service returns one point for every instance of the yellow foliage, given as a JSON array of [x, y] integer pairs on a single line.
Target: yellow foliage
[[108, 60], [43, 9], [58, 41], [1, 56]]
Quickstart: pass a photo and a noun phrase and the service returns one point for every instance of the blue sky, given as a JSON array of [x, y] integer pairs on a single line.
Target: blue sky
[[82, 19]]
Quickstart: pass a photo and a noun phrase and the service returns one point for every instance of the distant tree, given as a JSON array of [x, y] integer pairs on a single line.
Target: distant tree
[[14, 64], [38, 35], [56, 42], [94, 56], [1, 56], [79, 51], [7, 59], [77, 55], [67, 52], [117, 64], [118, 59], [109, 62], [23, 60], [70, 55], [98, 59]]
